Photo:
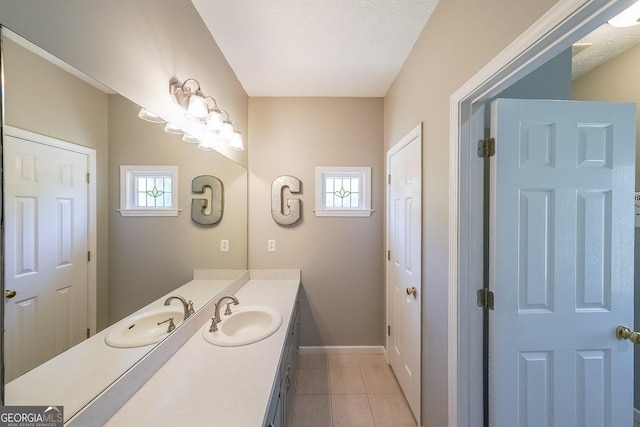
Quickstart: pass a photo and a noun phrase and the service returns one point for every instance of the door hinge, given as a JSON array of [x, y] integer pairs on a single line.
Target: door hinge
[[485, 298], [88, 178], [88, 256], [88, 333], [389, 330], [388, 255], [486, 147], [389, 179]]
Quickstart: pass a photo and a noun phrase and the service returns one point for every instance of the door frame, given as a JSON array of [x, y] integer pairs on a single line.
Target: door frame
[[92, 296], [563, 24], [415, 133]]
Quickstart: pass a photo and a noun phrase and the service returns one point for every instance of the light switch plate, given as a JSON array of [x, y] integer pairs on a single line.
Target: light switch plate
[[271, 245], [224, 245]]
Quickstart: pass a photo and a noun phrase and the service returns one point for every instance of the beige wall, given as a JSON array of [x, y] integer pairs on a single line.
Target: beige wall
[[42, 98], [151, 256], [341, 258], [460, 38], [617, 81]]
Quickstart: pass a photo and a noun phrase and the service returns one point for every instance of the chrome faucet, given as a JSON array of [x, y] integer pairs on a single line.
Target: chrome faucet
[[216, 317], [187, 306]]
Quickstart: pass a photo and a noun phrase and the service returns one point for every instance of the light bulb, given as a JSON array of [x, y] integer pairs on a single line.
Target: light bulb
[[197, 109], [149, 116], [214, 122], [170, 128], [628, 17], [236, 141], [190, 139]]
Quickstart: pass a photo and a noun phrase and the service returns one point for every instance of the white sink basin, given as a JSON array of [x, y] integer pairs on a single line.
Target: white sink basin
[[247, 324], [143, 328]]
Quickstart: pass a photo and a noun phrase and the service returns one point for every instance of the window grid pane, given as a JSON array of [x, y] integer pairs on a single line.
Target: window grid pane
[[154, 191], [342, 192]]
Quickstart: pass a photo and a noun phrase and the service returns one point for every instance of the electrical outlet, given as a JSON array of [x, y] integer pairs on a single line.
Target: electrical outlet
[[224, 245], [271, 245]]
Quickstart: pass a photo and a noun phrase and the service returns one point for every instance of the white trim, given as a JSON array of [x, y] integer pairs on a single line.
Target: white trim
[[149, 212], [343, 212], [413, 137], [128, 175], [350, 349], [361, 172], [566, 22], [92, 292], [414, 133]]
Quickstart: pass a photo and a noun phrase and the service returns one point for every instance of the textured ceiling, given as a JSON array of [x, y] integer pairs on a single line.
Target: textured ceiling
[[602, 45], [315, 47]]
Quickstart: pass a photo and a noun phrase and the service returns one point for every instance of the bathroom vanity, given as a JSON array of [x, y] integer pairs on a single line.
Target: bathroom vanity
[[205, 384], [74, 378]]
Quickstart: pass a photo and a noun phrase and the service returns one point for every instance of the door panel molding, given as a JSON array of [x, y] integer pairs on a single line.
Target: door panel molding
[[403, 268], [92, 199]]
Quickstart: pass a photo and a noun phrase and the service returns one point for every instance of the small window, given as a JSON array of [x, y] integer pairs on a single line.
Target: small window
[[148, 190], [343, 191]]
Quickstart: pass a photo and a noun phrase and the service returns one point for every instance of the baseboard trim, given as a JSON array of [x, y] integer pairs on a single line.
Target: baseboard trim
[[636, 415], [354, 349]]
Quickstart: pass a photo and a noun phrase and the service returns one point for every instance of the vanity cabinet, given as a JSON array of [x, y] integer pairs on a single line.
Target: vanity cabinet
[[280, 407]]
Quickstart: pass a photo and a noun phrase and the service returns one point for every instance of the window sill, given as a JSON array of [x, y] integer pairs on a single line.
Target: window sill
[[149, 212], [343, 212]]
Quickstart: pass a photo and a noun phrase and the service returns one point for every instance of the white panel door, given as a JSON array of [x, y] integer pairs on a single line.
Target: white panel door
[[46, 247], [404, 287], [561, 265]]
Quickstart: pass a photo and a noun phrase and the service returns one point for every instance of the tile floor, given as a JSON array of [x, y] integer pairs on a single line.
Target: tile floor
[[348, 390]]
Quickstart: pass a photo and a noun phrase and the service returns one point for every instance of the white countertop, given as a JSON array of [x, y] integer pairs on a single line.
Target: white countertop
[[203, 384]]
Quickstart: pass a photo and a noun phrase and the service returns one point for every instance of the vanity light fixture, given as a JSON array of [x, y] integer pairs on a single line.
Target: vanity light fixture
[[629, 17], [190, 97], [205, 145], [171, 128], [226, 131], [214, 117], [190, 139], [149, 116], [209, 142], [217, 128], [236, 139]]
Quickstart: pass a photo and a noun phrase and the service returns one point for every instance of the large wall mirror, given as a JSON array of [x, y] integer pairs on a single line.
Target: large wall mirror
[[134, 260]]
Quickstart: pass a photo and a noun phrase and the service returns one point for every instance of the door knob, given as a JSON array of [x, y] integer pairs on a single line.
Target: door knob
[[8, 293], [412, 291], [624, 333]]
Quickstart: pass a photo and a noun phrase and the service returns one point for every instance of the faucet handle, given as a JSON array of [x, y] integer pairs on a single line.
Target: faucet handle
[[214, 326], [171, 326], [227, 312], [191, 310]]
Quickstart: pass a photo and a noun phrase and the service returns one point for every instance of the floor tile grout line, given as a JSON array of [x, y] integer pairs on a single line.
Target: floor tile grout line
[[367, 394]]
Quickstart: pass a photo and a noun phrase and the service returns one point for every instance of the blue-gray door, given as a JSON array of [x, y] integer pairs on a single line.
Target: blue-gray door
[[561, 250]]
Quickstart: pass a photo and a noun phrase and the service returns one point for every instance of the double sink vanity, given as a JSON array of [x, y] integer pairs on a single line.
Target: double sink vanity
[[213, 362]]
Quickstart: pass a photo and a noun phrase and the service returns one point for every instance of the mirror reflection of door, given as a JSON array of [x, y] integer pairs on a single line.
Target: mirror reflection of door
[[46, 257]]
